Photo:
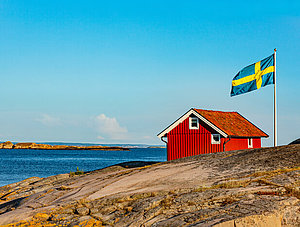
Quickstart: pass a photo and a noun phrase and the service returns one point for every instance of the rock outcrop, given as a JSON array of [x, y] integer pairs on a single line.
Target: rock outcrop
[[297, 141], [24, 145], [36, 146], [6, 145], [257, 187]]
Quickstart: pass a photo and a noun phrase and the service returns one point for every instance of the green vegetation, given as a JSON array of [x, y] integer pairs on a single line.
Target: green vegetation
[[78, 172]]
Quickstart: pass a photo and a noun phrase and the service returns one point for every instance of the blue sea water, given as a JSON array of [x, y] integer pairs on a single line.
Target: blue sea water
[[17, 165]]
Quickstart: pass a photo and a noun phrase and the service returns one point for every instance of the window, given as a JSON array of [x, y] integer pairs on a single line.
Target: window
[[250, 143], [194, 123], [215, 139]]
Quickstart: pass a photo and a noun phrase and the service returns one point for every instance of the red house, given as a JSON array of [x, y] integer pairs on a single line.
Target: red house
[[201, 131]]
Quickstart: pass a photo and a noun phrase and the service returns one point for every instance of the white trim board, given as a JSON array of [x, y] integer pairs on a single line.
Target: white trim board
[[185, 116]]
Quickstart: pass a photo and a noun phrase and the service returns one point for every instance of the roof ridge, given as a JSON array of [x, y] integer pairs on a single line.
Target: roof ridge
[[216, 110]]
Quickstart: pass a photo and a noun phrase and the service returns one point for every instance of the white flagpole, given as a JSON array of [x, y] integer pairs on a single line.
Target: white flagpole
[[275, 102]]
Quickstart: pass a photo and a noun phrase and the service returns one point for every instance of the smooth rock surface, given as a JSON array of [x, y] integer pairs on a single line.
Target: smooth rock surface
[[257, 187]]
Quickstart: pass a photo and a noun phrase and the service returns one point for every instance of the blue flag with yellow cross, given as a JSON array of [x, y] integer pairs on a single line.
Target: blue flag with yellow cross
[[254, 76]]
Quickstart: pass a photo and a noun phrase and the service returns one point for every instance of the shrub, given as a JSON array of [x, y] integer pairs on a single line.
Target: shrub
[[78, 172]]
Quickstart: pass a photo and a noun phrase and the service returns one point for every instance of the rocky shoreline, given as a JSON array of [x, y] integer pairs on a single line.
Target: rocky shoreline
[[245, 188], [37, 146]]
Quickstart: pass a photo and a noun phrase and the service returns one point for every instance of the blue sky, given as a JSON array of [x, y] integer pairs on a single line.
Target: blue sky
[[122, 71]]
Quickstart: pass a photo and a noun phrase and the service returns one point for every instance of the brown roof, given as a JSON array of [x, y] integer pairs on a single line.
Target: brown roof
[[232, 123]]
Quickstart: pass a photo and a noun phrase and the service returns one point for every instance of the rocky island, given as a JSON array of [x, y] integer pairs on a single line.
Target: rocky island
[[37, 146], [255, 187]]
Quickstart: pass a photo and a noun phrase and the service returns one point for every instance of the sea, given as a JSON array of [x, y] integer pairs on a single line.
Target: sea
[[19, 164]]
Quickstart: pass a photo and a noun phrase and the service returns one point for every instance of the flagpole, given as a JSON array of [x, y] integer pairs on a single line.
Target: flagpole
[[275, 102]]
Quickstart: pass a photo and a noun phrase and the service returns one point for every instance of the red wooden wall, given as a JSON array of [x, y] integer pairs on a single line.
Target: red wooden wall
[[184, 142], [241, 143]]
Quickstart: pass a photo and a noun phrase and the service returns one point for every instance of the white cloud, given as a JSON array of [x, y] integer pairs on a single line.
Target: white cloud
[[110, 127], [48, 120]]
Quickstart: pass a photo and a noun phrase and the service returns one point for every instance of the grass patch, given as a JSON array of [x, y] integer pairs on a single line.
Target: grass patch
[[225, 185], [201, 189], [263, 181], [232, 184], [273, 172]]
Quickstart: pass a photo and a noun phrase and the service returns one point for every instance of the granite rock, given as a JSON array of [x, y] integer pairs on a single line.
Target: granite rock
[[257, 187]]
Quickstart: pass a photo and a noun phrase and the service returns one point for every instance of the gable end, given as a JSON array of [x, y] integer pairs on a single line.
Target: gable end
[[185, 116]]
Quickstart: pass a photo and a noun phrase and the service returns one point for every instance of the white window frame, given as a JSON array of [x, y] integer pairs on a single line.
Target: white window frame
[[190, 123], [213, 141], [250, 143]]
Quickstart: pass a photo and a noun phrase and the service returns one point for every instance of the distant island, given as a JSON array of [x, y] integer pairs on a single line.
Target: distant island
[[36, 146], [157, 147]]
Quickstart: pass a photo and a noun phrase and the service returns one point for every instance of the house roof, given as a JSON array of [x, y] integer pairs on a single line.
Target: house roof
[[225, 123], [232, 123]]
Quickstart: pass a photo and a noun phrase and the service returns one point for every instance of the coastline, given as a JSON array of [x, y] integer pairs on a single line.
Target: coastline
[[37, 146], [236, 188], [19, 164]]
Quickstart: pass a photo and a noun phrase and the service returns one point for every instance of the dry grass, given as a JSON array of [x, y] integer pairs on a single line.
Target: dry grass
[[167, 202], [201, 189], [232, 184], [228, 184], [228, 200], [292, 191], [273, 172], [264, 181]]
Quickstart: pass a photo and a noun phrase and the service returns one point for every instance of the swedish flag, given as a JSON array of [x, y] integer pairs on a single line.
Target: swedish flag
[[254, 76]]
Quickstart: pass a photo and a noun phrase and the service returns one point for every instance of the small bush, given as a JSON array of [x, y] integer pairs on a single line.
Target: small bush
[[78, 172]]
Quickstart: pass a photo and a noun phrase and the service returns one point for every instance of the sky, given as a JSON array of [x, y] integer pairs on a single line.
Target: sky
[[122, 71]]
